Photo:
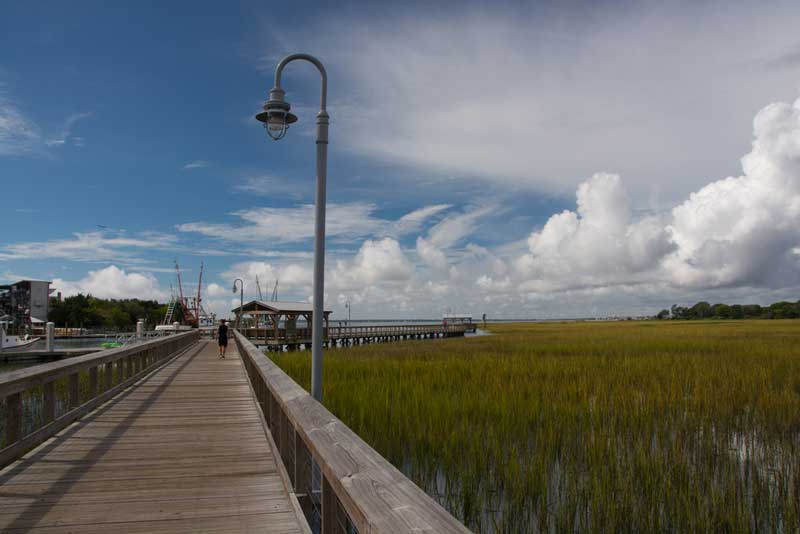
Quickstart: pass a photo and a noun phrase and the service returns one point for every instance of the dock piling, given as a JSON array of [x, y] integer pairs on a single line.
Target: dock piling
[[51, 335]]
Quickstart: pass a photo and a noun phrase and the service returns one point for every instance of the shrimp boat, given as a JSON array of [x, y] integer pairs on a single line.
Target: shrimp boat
[[8, 341]]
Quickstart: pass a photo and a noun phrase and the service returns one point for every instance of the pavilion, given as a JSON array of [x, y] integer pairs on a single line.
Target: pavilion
[[276, 321]]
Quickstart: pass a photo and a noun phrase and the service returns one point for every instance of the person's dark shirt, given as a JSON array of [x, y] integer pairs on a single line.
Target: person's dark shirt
[[223, 332]]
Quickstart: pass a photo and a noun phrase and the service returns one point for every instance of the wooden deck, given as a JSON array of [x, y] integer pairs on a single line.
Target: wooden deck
[[184, 450]]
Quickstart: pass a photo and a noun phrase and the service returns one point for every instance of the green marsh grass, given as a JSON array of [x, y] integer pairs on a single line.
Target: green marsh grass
[[612, 427]]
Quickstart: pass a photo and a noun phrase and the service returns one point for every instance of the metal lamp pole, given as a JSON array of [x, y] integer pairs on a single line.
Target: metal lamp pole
[[347, 305], [276, 118], [241, 300]]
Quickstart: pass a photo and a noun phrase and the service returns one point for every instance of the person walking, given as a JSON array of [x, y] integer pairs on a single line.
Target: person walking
[[222, 338]]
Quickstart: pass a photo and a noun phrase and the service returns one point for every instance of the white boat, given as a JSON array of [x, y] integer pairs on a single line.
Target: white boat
[[174, 327], [16, 342]]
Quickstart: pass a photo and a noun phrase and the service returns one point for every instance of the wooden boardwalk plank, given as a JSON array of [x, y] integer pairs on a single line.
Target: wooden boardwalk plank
[[182, 451]]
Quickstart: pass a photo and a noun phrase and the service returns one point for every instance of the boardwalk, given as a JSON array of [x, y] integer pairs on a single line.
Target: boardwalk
[[182, 451]]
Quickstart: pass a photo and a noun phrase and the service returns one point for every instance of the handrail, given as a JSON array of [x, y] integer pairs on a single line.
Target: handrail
[[342, 483], [338, 332], [91, 380], [398, 329]]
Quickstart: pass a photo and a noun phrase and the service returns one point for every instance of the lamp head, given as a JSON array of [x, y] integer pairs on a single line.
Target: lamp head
[[276, 116]]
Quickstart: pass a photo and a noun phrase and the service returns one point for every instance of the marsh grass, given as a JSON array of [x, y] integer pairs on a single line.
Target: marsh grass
[[627, 426]]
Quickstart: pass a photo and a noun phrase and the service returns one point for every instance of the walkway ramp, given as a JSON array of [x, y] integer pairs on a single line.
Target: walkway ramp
[[184, 450]]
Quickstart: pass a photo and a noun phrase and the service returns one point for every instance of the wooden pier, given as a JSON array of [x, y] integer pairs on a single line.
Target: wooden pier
[[275, 326], [341, 336], [164, 436]]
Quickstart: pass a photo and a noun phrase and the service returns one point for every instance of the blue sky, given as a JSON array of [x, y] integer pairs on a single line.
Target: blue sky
[[460, 133]]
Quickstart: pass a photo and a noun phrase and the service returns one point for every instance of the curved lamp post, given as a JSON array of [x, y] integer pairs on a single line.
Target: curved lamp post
[[241, 300], [276, 119]]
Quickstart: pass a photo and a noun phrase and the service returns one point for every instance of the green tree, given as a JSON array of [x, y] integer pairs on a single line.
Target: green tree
[[721, 311], [701, 310], [90, 312], [678, 312], [750, 311]]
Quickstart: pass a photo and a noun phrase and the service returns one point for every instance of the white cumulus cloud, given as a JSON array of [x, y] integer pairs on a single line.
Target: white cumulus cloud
[[113, 282], [735, 232], [216, 290], [376, 262], [597, 244], [744, 230]]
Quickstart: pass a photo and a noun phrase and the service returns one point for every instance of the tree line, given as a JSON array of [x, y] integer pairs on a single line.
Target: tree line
[[705, 310], [86, 311]]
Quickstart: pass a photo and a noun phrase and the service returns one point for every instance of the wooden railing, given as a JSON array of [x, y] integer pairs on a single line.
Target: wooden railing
[[394, 330], [342, 484], [36, 402], [354, 332], [298, 334]]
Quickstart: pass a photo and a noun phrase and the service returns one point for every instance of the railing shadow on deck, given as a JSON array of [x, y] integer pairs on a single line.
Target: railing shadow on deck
[[34, 512], [58, 393], [342, 484]]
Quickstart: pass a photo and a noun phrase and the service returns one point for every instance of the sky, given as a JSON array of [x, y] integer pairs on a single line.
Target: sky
[[519, 159]]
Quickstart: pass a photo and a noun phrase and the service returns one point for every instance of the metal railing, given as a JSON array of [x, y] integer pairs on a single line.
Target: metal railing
[[342, 484], [36, 402]]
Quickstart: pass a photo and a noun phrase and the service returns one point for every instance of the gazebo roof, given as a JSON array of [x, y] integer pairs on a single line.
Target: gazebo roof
[[277, 307]]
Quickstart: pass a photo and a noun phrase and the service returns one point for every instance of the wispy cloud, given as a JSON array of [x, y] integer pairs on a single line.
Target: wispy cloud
[[90, 246], [19, 134], [281, 254], [538, 99], [9, 276], [273, 186], [65, 136], [196, 164], [412, 222], [344, 222], [454, 228]]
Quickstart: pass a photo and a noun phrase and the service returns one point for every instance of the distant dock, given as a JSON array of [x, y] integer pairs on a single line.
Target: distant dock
[[23, 356]]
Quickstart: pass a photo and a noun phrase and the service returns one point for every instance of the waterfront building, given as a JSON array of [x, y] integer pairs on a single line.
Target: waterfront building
[[26, 304]]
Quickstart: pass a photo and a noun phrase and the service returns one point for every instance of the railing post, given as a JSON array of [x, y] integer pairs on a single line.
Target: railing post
[[74, 390], [93, 382], [302, 475], [50, 331], [328, 517], [13, 418], [108, 375], [49, 407]]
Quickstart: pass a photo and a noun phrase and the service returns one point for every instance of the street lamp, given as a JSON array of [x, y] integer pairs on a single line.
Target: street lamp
[[347, 306], [241, 300], [276, 119]]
